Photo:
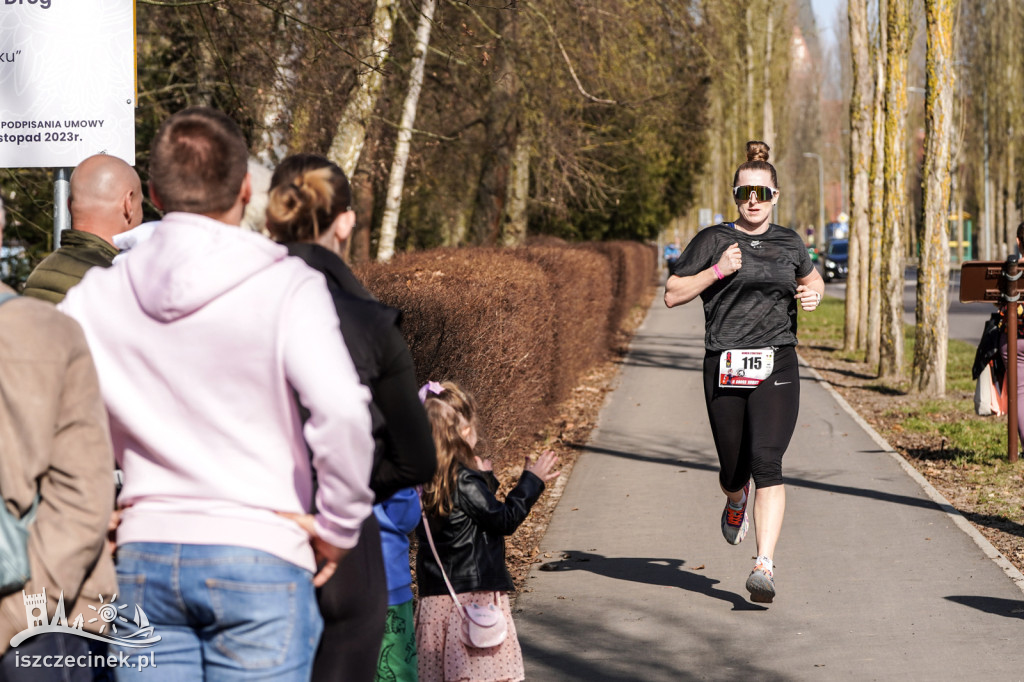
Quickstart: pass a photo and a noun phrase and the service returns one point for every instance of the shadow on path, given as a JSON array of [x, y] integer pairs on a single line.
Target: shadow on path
[[663, 360], [671, 459], [1000, 523], [1010, 608], [675, 460], [650, 571]]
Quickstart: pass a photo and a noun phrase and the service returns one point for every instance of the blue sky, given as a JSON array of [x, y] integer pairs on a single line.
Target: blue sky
[[825, 15]]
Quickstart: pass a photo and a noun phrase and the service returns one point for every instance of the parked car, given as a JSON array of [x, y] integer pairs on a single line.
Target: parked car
[[835, 263]]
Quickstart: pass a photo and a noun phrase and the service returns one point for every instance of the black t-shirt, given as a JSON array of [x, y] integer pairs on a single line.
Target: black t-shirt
[[755, 306]]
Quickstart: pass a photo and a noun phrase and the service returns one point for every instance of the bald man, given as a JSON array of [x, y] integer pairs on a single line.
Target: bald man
[[106, 200]]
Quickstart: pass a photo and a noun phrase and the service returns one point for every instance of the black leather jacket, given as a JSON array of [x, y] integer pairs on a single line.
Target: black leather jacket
[[471, 540]]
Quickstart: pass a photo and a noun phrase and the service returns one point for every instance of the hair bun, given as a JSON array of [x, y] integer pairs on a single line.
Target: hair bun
[[757, 151]]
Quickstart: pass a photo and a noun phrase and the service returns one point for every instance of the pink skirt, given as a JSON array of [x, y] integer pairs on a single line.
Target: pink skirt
[[444, 658]]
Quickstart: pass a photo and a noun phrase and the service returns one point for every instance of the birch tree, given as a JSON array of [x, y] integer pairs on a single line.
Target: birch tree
[[396, 181], [513, 231], [932, 329], [860, 161], [270, 145], [890, 364], [350, 133]]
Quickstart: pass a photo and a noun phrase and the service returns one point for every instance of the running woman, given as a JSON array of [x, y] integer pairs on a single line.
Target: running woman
[[750, 275]]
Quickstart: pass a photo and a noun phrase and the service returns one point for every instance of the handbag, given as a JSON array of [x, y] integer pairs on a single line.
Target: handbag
[[14, 564], [483, 626], [989, 394]]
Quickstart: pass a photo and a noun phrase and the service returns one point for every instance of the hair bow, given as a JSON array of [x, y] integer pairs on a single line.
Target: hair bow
[[430, 388]]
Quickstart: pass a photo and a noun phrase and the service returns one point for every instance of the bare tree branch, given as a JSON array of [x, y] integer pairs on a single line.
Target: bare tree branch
[[572, 71]]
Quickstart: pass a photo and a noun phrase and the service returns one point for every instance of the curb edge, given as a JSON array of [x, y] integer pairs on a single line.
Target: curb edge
[[961, 522]]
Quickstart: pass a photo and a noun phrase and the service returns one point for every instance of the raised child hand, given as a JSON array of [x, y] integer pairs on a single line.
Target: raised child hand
[[483, 464], [542, 467]]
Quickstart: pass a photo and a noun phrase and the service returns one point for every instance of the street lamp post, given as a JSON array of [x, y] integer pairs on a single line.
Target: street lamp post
[[820, 238]]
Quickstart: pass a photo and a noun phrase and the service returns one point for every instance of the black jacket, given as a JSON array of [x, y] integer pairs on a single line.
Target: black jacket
[[988, 349], [471, 540], [404, 455]]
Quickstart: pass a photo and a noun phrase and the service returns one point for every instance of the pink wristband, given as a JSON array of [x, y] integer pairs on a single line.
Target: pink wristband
[[718, 273]]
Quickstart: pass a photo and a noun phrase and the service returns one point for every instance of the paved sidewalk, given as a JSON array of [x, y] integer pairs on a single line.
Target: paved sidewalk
[[875, 580]]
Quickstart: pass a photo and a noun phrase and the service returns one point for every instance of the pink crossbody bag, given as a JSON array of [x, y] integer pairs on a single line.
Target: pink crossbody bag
[[483, 626]]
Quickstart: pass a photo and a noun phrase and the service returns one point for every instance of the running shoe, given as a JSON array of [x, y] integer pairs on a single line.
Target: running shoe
[[734, 519], [761, 583]]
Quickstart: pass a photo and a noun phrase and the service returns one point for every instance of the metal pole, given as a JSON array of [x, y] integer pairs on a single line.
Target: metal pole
[[988, 230], [821, 199], [1011, 274], [61, 215]]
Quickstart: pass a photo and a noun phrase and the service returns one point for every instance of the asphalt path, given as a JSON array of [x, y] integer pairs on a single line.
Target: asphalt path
[[878, 577], [966, 320]]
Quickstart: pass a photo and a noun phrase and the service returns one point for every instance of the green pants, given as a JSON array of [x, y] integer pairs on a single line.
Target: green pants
[[397, 662]]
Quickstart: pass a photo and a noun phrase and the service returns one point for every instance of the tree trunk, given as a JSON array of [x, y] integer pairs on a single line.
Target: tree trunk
[[501, 128], [768, 126], [956, 208], [514, 228], [999, 183], [350, 133], [750, 72], [860, 161], [270, 144], [874, 330], [890, 358], [932, 329], [987, 230], [396, 180], [363, 203]]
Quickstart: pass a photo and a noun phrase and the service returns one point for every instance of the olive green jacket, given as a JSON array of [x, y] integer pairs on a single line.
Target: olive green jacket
[[65, 267]]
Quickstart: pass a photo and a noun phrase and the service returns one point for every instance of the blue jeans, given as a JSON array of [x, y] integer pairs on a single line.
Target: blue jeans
[[222, 612]]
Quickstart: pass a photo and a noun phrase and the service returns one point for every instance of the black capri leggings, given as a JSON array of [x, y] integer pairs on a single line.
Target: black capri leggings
[[752, 427]]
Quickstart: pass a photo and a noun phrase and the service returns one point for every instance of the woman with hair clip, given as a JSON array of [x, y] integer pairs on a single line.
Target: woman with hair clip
[[750, 276], [309, 210]]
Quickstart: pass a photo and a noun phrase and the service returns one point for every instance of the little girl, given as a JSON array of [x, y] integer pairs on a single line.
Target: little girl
[[468, 525]]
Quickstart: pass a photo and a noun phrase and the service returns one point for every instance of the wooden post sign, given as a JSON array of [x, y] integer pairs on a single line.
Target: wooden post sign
[[67, 81], [981, 281], [996, 282]]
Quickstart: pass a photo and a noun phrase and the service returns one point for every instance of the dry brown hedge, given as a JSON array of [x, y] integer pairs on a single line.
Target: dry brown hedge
[[515, 327], [632, 267], [580, 284]]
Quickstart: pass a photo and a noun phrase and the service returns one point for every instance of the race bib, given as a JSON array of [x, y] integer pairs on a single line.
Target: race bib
[[745, 368]]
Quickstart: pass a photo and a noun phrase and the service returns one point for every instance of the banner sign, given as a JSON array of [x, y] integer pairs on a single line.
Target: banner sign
[[67, 81]]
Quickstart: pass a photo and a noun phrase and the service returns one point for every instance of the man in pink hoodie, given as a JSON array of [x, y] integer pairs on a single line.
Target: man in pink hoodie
[[206, 339]]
